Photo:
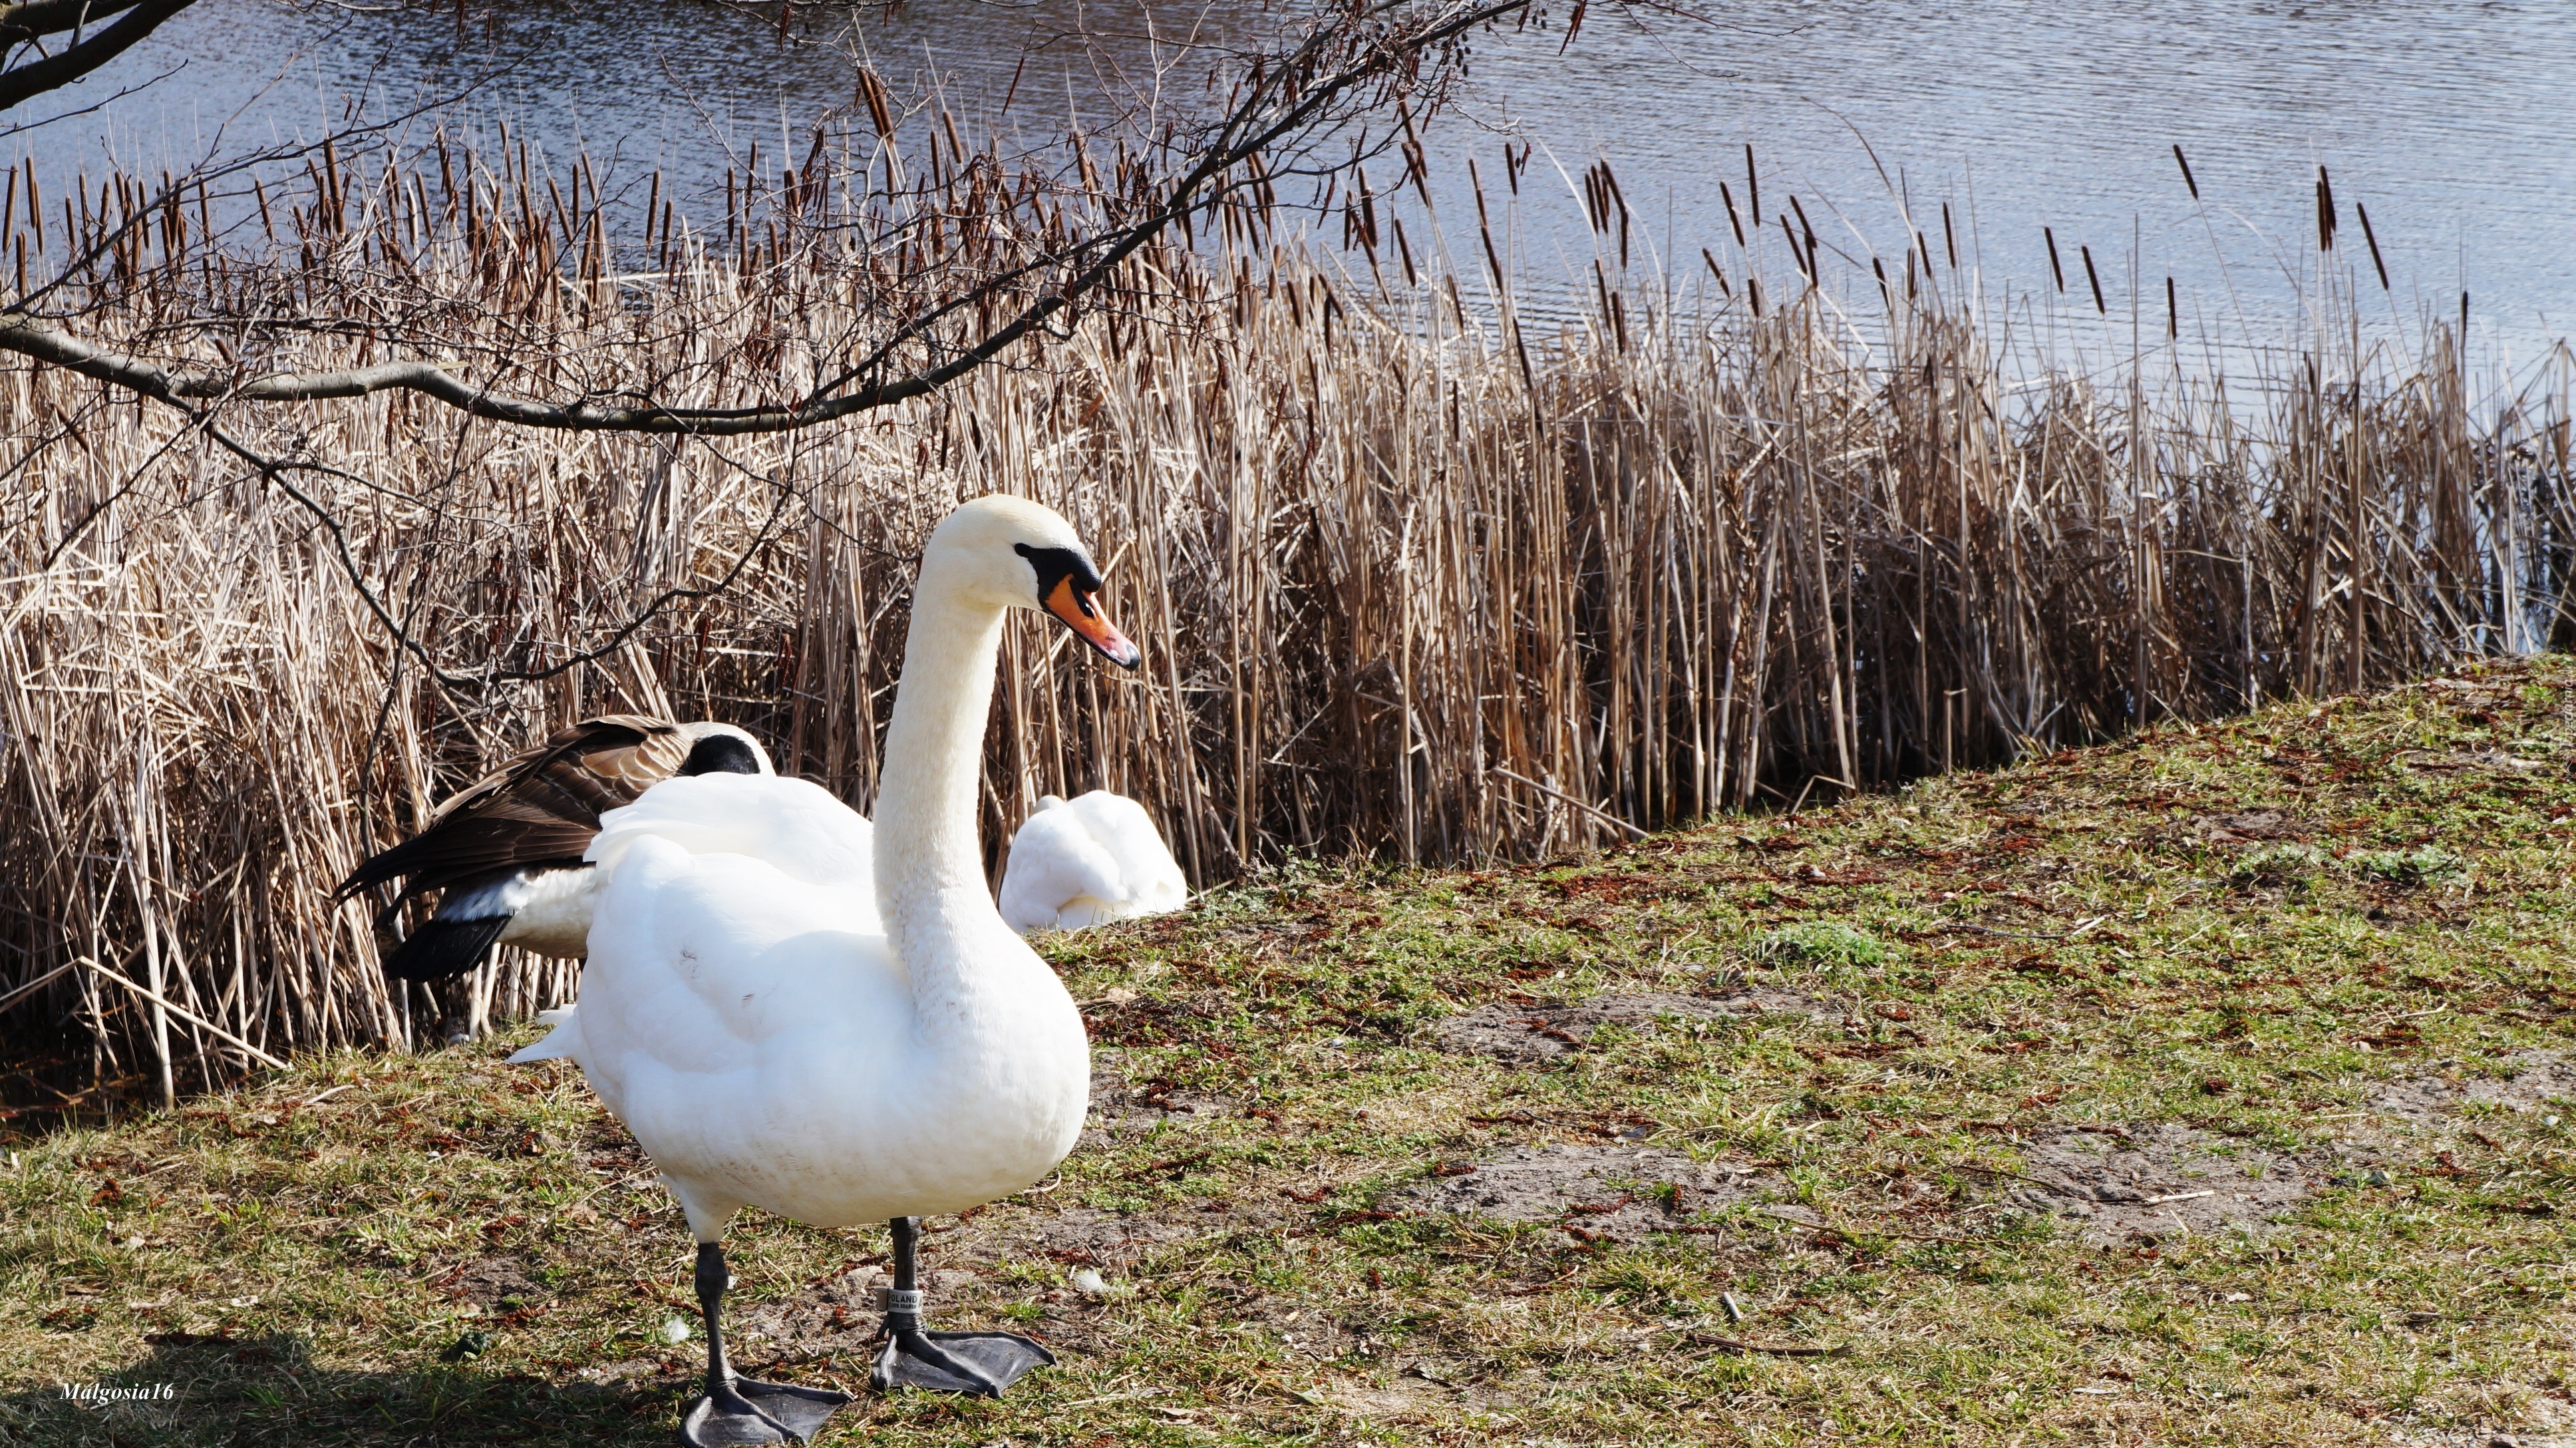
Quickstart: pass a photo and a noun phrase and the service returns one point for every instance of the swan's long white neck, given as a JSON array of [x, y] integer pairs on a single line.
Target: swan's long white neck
[[929, 864]]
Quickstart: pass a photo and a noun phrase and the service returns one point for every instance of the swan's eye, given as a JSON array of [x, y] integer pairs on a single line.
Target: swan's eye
[[1056, 566]]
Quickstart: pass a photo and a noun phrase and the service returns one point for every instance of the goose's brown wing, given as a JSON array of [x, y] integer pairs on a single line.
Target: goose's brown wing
[[542, 806]]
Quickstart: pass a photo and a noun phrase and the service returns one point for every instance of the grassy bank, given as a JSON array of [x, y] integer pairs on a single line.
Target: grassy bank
[[2209, 1088]]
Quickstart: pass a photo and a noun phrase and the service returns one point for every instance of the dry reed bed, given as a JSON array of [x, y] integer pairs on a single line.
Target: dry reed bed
[[1407, 583]]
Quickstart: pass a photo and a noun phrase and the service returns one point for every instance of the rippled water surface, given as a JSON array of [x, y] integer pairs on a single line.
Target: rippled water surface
[[2450, 122]]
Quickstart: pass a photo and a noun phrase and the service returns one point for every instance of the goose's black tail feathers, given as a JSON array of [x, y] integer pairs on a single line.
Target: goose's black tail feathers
[[445, 949]]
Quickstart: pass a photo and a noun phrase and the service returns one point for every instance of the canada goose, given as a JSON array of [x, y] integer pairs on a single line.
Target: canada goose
[[794, 1010], [505, 852], [1087, 861]]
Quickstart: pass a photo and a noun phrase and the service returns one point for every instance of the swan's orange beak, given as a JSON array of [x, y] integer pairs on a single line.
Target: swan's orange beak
[[1081, 613]]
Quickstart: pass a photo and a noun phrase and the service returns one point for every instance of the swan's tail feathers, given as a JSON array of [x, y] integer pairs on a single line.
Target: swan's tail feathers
[[563, 1041], [442, 949]]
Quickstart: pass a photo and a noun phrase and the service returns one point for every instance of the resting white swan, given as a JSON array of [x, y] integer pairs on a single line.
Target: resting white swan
[[791, 1015], [505, 852], [1087, 861]]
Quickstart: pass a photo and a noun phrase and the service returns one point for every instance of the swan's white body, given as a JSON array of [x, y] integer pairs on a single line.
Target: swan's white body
[[793, 1010], [1087, 861]]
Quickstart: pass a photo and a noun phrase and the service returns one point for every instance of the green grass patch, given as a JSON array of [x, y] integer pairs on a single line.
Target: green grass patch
[[1823, 943]]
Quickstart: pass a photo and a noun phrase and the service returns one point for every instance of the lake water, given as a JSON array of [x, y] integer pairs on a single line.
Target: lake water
[[2450, 122]]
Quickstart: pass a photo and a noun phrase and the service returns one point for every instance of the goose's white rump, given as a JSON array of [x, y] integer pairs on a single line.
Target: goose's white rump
[[743, 1014]]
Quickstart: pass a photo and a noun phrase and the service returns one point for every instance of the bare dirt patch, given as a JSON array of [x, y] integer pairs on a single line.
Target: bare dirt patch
[[1619, 1192], [2157, 1180], [2536, 1079], [1541, 1033], [2418, 1101], [2539, 1078], [491, 1281], [841, 1313], [1399, 1399], [1120, 1107], [1110, 1241]]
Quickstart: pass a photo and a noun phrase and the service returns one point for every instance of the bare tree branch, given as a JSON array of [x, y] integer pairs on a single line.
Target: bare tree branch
[[20, 24]]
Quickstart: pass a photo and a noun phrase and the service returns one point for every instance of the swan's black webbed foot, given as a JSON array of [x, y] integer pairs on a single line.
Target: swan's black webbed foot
[[747, 1410], [738, 1410], [979, 1363]]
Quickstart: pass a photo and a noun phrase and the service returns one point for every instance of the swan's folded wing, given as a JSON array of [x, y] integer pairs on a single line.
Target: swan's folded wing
[[795, 828], [701, 964]]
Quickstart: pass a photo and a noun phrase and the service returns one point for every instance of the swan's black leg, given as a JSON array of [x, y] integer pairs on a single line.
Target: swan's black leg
[[981, 1363], [739, 1409]]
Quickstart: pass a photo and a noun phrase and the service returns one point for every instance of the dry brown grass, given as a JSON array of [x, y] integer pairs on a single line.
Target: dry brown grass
[[1408, 581]]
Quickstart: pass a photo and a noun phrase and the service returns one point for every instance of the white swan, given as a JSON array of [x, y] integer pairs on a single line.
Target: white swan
[[790, 1015], [505, 853], [1087, 861]]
